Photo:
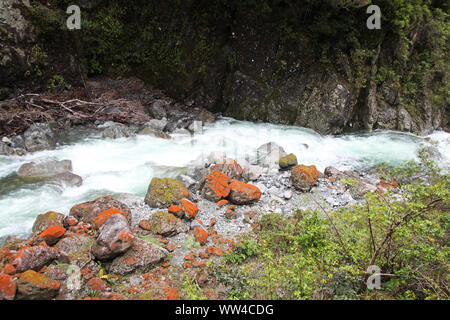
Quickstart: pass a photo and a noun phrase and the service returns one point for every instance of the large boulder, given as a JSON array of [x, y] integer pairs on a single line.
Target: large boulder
[[88, 211], [303, 177], [35, 286], [215, 186], [288, 161], [164, 192], [39, 136], [114, 238], [44, 167], [269, 155], [35, 257], [166, 224], [243, 193], [117, 130], [47, 220], [76, 249], [142, 257]]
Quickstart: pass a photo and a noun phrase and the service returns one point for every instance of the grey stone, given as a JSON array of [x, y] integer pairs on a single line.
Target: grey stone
[[44, 167], [39, 136]]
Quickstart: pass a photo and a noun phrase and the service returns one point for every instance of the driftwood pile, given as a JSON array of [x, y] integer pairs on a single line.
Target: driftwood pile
[[17, 114]]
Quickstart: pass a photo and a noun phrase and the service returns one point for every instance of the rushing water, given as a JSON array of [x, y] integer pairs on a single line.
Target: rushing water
[[127, 165]]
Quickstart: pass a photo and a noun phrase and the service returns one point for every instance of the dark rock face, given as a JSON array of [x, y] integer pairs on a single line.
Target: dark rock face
[[251, 69], [324, 106]]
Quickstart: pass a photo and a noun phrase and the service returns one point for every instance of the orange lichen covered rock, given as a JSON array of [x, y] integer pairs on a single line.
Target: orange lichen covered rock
[[190, 209], [215, 251], [221, 203], [8, 287], [9, 269], [105, 215], [144, 224], [114, 237], [34, 257], [216, 186], [203, 255], [304, 177], [243, 193], [52, 234], [88, 211], [6, 255], [200, 235], [97, 285], [35, 286], [176, 211], [231, 168], [47, 220]]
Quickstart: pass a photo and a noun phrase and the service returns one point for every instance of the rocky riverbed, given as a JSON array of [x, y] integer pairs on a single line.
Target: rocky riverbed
[[122, 210]]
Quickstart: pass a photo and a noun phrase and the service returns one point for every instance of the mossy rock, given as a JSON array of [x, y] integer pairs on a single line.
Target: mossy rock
[[303, 177], [288, 161], [47, 220], [162, 193]]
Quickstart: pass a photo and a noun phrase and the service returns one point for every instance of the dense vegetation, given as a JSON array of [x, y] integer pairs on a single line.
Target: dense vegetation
[[175, 44], [325, 255]]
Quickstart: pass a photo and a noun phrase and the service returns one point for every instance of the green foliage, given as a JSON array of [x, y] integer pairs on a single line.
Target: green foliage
[[176, 44], [56, 81], [191, 288], [313, 255]]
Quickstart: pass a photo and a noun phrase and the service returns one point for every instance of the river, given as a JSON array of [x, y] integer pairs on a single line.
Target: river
[[127, 165]]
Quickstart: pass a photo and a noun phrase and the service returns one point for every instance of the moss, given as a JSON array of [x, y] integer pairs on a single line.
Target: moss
[[150, 239], [165, 192], [287, 161]]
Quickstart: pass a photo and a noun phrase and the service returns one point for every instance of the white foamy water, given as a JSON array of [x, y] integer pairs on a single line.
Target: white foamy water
[[127, 165]]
